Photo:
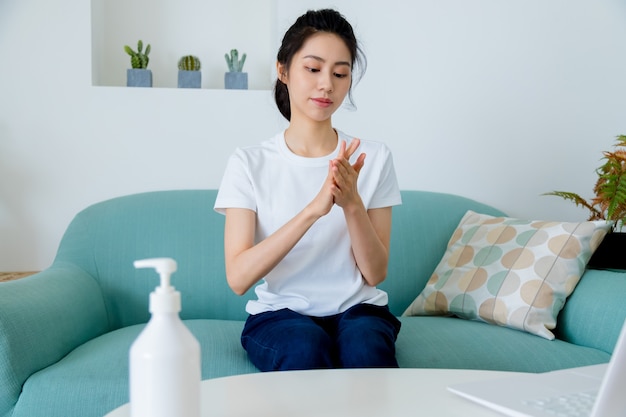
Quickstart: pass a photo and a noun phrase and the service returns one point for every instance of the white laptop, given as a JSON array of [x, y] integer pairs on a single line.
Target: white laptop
[[588, 391]]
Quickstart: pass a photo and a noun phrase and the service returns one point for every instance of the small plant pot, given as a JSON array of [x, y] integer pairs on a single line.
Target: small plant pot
[[138, 77], [189, 79], [236, 80], [610, 253]]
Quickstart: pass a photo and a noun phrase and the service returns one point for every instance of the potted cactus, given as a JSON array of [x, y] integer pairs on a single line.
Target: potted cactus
[[608, 204], [189, 75], [139, 75], [235, 79]]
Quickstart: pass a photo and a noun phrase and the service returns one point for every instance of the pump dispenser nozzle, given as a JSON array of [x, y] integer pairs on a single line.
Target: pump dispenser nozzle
[[165, 298], [165, 267]]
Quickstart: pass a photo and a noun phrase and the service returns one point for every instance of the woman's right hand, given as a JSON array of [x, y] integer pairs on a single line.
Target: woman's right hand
[[323, 201]]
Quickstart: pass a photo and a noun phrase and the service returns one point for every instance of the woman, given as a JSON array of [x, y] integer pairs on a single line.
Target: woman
[[311, 219]]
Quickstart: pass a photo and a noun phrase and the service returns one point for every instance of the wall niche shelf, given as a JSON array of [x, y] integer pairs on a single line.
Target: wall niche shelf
[[205, 28]]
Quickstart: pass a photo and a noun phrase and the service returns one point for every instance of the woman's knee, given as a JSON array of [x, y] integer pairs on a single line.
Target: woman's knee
[[286, 340], [367, 337]]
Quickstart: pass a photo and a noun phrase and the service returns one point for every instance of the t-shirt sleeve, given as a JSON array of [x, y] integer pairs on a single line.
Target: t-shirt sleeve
[[387, 192], [236, 190]]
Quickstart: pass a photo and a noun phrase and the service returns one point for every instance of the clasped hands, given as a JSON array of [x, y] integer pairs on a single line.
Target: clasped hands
[[340, 186]]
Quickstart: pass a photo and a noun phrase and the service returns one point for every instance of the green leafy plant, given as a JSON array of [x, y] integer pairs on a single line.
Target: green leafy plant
[[139, 59], [234, 63], [189, 63], [609, 202]]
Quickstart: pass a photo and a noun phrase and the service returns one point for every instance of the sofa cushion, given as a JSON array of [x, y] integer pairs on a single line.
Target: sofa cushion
[[451, 342], [510, 272], [93, 379]]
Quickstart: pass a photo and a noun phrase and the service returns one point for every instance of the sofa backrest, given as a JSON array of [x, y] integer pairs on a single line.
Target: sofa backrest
[[105, 239]]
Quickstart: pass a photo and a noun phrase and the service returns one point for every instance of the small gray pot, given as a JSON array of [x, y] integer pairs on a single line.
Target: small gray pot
[[138, 77], [189, 79], [236, 80]]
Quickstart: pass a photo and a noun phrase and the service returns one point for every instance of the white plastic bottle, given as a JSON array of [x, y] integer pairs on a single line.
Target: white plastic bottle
[[165, 370]]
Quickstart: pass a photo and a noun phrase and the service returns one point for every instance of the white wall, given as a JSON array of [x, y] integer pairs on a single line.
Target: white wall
[[496, 100]]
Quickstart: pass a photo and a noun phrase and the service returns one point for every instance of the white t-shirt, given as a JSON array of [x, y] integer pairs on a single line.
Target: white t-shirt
[[319, 276]]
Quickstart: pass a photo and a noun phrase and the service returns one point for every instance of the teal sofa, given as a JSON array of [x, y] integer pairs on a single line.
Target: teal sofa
[[65, 332]]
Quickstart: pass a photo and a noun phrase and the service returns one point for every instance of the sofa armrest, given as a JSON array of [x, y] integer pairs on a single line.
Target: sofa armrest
[[42, 318], [595, 312]]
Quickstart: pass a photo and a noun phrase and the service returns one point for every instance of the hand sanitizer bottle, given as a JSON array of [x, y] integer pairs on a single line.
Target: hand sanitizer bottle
[[165, 358]]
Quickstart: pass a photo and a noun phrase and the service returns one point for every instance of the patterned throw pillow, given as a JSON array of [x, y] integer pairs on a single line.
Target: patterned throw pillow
[[510, 272]]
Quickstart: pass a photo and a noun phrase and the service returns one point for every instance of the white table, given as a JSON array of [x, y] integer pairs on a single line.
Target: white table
[[339, 393]]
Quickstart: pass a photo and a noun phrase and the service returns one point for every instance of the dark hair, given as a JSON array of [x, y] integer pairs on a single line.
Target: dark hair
[[314, 21]]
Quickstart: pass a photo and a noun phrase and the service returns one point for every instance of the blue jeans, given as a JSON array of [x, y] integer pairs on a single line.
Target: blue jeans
[[363, 336]]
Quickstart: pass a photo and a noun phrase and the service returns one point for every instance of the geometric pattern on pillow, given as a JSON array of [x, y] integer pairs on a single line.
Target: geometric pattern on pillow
[[510, 272]]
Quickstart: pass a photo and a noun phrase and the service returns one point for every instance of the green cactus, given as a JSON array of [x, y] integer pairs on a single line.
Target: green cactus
[[138, 59], [233, 61], [189, 63]]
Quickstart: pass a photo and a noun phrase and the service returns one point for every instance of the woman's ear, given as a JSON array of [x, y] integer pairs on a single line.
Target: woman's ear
[[280, 72]]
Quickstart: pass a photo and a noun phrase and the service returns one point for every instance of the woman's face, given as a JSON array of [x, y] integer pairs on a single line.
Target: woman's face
[[319, 77]]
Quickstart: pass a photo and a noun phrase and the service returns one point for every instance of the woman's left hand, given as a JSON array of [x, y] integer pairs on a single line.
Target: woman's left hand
[[345, 175]]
